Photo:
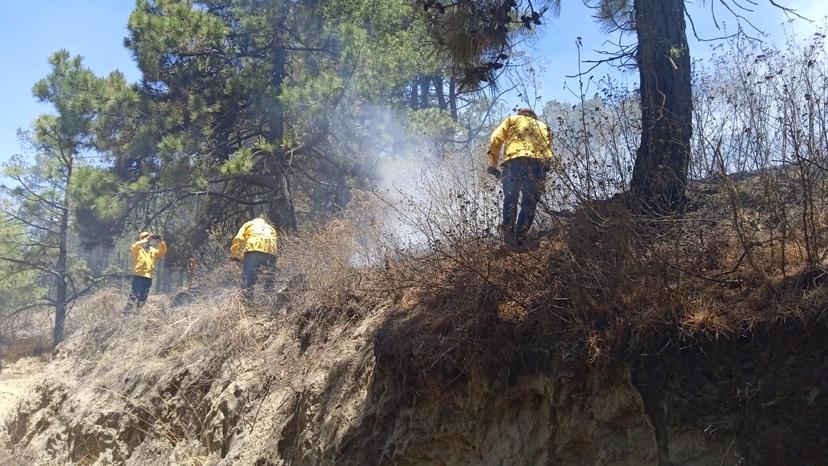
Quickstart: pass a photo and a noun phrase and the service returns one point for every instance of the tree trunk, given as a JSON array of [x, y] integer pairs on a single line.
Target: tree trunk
[[453, 97], [62, 262], [660, 174], [281, 211], [425, 91], [441, 96], [414, 99], [224, 128]]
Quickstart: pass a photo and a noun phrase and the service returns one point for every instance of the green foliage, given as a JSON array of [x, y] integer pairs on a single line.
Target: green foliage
[[431, 122], [97, 189], [217, 107], [241, 162], [42, 200], [99, 205], [75, 93], [18, 284]]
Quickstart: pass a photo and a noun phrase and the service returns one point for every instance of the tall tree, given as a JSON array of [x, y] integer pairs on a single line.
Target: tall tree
[[478, 34], [249, 94], [42, 187], [659, 177]]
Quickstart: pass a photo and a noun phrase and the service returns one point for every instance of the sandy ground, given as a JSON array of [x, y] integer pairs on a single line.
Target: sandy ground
[[15, 380]]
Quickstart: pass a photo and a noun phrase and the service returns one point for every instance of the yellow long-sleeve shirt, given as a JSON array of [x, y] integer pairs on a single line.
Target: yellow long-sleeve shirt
[[255, 235], [143, 259], [523, 136]]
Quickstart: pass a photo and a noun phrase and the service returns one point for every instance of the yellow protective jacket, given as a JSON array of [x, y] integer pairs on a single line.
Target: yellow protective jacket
[[143, 260], [255, 235], [523, 136]]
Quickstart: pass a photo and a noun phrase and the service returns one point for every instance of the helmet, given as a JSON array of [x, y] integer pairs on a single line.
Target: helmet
[[143, 235]]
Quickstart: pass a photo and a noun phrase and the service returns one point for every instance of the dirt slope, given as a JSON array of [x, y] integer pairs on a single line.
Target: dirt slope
[[214, 383], [16, 380]]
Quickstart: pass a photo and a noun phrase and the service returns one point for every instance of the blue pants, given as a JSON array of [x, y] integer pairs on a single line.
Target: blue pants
[[252, 264], [523, 179], [140, 290]]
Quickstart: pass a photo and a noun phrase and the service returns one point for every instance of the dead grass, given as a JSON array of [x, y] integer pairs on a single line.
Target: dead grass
[[24, 347], [135, 363], [602, 286]]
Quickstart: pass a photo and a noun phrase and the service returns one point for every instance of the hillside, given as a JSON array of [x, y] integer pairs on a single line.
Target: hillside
[[447, 358]]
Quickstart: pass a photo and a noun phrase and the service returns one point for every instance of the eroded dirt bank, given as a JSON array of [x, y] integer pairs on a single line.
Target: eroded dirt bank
[[214, 384]]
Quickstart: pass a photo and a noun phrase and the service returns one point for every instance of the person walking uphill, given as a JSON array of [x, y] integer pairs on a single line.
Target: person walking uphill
[[527, 158], [144, 257], [255, 246]]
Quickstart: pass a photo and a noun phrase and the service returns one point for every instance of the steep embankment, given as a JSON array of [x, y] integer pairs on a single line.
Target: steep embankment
[[16, 379], [213, 383], [613, 342]]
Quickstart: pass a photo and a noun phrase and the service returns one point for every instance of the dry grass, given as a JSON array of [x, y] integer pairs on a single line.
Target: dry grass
[[602, 285], [133, 364], [597, 286], [26, 334]]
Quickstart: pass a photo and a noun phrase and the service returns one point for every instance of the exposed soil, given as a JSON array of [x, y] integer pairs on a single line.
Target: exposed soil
[[215, 385], [16, 380]]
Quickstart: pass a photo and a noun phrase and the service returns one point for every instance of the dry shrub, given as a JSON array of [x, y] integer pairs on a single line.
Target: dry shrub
[[601, 283], [225, 276], [325, 267], [704, 315], [219, 321], [26, 334], [25, 347]]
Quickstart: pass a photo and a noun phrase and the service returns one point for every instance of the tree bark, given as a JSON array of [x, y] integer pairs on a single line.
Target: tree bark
[[441, 96], [62, 262], [660, 174], [414, 99], [425, 91], [281, 210], [453, 97]]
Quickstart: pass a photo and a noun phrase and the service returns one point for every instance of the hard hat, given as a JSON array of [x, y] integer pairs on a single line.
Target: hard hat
[[143, 235]]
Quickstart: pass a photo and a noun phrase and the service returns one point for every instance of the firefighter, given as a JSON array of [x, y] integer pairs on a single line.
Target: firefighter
[[144, 257], [255, 247], [527, 158]]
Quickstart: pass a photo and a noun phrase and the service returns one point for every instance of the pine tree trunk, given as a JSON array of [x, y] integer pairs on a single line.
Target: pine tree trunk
[[425, 91], [62, 263], [453, 97], [414, 99], [281, 212], [441, 96], [660, 174]]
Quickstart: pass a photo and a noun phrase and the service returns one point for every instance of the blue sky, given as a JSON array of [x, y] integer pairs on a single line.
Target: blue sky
[[554, 51], [31, 30]]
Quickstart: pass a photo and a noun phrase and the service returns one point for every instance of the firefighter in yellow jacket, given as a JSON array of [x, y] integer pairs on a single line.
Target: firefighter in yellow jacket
[[144, 257], [255, 247], [527, 158]]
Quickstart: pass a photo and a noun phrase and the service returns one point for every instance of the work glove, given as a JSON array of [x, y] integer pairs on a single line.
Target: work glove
[[494, 172]]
